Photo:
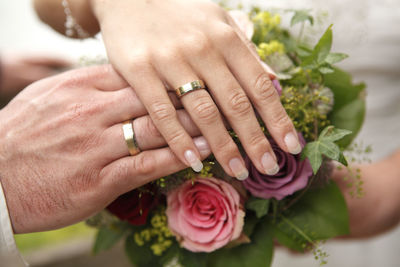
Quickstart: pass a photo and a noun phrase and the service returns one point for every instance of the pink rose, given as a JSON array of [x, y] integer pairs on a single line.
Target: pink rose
[[205, 214]]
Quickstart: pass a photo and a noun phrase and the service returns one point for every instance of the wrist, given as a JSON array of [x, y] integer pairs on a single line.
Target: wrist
[[84, 16]]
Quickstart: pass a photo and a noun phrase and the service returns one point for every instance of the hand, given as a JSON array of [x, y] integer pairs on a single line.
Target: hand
[[63, 156], [163, 44], [378, 210], [17, 72]]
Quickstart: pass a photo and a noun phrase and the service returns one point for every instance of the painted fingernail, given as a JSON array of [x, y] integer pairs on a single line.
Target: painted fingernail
[[193, 161], [238, 169], [202, 145], [292, 143], [269, 164]]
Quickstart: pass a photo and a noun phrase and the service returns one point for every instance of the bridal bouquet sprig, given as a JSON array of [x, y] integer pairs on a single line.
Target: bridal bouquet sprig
[[210, 219]]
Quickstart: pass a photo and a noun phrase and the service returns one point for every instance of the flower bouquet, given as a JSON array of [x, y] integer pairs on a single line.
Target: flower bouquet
[[210, 219]]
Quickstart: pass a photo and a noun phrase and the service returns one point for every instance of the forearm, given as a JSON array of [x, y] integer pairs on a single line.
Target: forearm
[[379, 209], [52, 13]]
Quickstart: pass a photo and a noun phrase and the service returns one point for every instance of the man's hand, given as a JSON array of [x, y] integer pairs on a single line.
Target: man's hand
[[63, 156]]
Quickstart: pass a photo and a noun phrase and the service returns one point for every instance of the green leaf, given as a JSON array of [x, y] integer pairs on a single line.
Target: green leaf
[[106, 238], [320, 214], [325, 70], [301, 16], [334, 134], [343, 88], [250, 222], [140, 256], [351, 117], [191, 259], [325, 145], [323, 46], [258, 205], [349, 103], [320, 51], [333, 58], [311, 151], [171, 254], [258, 253]]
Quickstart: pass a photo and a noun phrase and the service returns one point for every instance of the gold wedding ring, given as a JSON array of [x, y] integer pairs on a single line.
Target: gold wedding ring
[[129, 135], [188, 87]]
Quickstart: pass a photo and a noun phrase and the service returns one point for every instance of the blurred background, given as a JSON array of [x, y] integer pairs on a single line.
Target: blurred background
[[366, 30]]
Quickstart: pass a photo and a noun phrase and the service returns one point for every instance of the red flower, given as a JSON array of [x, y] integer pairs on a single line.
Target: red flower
[[134, 206]]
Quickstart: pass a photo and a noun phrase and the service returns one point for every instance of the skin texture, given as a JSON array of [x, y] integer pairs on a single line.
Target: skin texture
[[63, 156], [378, 210], [159, 45]]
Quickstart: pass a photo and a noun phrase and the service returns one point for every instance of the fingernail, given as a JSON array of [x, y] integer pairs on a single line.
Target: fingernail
[[202, 145], [292, 143], [238, 169], [269, 164], [193, 161]]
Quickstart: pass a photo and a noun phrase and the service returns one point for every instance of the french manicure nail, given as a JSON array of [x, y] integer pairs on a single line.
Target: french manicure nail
[[269, 164], [193, 161], [292, 143], [202, 145], [238, 169]]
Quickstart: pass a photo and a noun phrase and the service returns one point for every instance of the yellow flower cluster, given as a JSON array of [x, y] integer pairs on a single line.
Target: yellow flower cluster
[[267, 20], [158, 233], [300, 104], [266, 49]]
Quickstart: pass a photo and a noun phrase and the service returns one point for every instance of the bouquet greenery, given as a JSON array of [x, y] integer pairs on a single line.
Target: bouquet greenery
[[210, 219]]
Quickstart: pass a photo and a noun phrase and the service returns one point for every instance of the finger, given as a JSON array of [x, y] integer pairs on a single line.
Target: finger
[[247, 41], [146, 134], [259, 88], [154, 97], [239, 112], [206, 116], [124, 104], [128, 173], [102, 77]]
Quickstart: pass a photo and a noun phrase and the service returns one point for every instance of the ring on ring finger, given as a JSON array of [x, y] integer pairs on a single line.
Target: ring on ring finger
[[130, 139]]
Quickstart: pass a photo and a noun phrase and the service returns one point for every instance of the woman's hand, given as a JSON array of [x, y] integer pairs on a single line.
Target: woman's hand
[[63, 156], [160, 44]]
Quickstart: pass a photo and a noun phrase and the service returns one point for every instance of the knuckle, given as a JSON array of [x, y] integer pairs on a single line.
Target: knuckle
[[239, 103], [206, 111], [150, 129], [281, 120], [264, 89], [256, 139], [144, 164], [198, 43], [227, 34], [139, 62], [226, 146], [175, 138], [162, 112]]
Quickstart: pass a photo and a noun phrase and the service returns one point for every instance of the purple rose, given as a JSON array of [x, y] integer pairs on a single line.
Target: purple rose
[[277, 86], [292, 176]]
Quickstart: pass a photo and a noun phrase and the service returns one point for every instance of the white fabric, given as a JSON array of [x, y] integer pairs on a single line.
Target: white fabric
[[9, 255]]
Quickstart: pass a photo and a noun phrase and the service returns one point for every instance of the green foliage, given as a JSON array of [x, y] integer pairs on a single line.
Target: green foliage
[[141, 256], [258, 205], [191, 259], [320, 214], [325, 146], [258, 253], [301, 15], [106, 238], [349, 106]]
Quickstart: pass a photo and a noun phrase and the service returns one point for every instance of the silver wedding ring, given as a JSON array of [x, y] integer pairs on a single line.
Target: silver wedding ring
[[129, 135], [189, 87]]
